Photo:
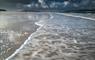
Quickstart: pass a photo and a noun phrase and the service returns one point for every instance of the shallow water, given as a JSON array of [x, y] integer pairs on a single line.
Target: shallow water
[[14, 30], [63, 37], [59, 37]]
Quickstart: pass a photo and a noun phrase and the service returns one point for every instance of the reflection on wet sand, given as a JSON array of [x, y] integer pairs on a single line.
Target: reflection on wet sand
[[60, 38], [14, 30]]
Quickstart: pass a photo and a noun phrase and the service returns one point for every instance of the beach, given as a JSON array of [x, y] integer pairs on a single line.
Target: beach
[[15, 28], [59, 37]]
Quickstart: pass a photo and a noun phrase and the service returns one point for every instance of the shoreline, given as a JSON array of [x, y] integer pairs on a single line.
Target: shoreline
[[29, 38]]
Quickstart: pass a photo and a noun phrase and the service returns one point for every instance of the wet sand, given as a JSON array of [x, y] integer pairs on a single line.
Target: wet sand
[[14, 33], [59, 38]]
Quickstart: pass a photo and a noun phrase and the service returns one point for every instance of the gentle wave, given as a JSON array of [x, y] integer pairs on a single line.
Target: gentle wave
[[29, 38]]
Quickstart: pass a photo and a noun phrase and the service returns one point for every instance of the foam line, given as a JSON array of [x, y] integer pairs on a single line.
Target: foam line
[[29, 38], [88, 18]]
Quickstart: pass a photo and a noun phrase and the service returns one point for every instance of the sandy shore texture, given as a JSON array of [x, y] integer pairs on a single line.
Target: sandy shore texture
[[15, 28], [59, 37]]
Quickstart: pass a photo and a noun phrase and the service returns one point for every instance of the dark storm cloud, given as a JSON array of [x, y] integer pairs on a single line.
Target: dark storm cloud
[[14, 1], [11, 4], [48, 4], [19, 1]]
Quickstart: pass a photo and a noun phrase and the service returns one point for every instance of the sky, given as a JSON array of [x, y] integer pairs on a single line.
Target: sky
[[11, 4], [14, 4]]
